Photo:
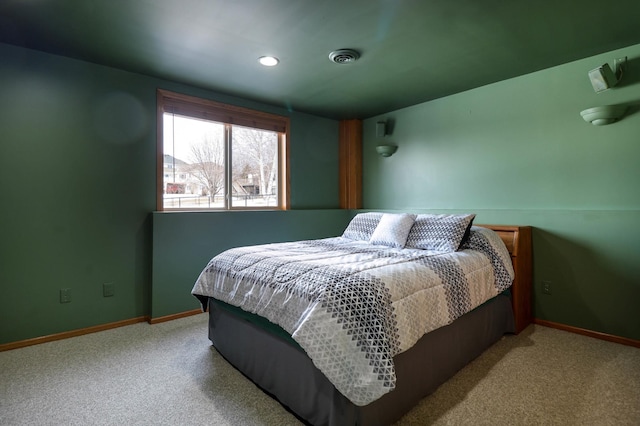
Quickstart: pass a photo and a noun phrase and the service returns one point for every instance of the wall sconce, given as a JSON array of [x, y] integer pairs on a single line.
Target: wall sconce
[[384, 150], [603, 78], [599, 116]]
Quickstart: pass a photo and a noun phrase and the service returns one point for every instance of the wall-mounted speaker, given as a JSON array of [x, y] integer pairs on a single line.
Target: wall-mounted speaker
[[603, 77]]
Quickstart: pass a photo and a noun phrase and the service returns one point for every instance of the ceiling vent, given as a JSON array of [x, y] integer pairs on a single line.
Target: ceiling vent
[[344, 56]]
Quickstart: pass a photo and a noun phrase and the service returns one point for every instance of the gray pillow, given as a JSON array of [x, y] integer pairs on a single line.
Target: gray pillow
[[444, 232], [362, 226]]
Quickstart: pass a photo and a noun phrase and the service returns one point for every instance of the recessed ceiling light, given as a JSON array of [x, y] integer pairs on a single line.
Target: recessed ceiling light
[[268, 61]]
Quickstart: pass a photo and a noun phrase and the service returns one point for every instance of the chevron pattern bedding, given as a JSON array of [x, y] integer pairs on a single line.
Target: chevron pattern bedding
[[351, 305]]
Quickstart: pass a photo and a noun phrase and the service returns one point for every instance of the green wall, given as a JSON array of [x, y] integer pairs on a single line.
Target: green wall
[[518, 152], [78, 152]]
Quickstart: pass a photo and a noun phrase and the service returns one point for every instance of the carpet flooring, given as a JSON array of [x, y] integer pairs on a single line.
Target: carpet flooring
[[168, 374]]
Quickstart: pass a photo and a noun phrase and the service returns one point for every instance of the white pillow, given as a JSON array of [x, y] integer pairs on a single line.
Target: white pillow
[[393, 230], [443, 232]]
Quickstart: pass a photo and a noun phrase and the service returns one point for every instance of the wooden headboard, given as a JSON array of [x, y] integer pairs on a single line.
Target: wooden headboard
[[518, 242]]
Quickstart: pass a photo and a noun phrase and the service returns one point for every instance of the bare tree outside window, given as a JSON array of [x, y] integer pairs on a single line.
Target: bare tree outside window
[[255, 165], [207, 165]]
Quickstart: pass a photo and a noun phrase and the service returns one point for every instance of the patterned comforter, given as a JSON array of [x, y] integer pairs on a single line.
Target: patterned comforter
[[352, 306]]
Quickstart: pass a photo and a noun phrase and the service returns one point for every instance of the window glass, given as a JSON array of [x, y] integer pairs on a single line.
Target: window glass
[[254, 162], [194, 163]]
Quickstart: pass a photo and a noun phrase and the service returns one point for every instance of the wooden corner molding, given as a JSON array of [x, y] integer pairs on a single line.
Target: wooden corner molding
[[351, 164]]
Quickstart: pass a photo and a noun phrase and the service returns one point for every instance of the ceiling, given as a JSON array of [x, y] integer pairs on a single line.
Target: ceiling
[[412, 51]]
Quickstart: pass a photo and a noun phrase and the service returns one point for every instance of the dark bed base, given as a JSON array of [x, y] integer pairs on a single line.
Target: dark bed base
[[284, 370]]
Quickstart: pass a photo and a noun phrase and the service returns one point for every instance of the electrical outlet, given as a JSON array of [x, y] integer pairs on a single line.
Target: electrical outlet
[[65, 295], [108, 289], [546, 287]]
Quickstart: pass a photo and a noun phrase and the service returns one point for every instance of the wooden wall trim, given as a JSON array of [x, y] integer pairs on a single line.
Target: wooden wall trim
[[590, 333], [174, 316], [351, 164], [72, 333], [94, 329]]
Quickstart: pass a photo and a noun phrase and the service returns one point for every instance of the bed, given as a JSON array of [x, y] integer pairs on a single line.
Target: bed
[[265, 322]]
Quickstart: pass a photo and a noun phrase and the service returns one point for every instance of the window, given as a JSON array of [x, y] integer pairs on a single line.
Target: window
[[217, 156]]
